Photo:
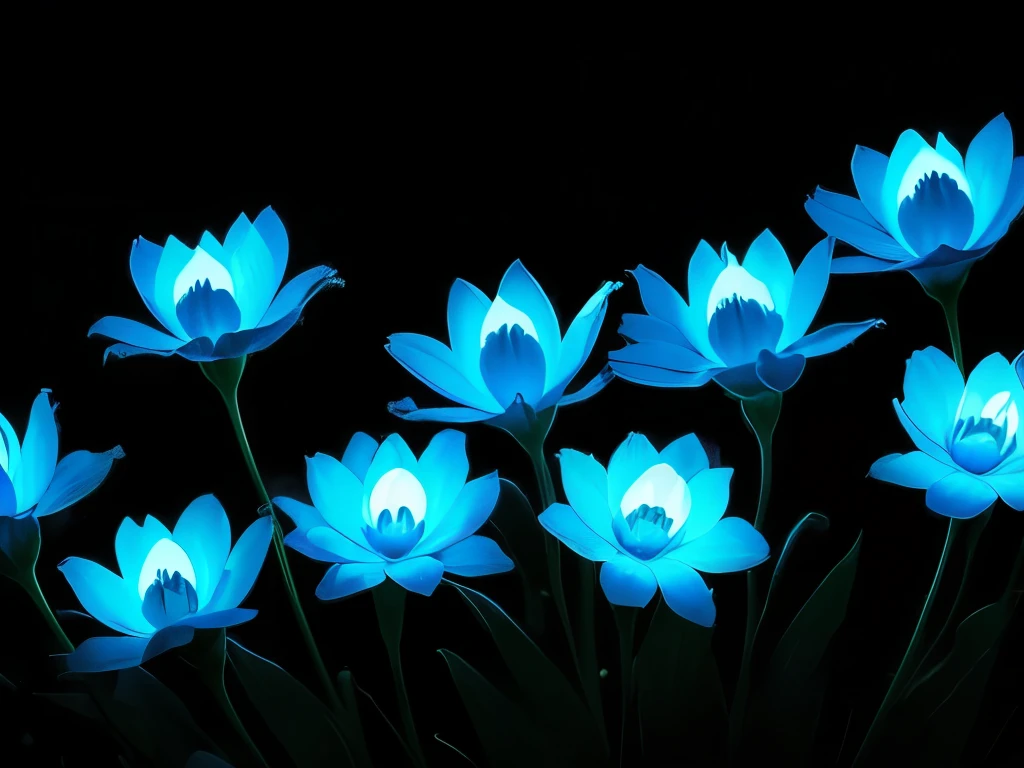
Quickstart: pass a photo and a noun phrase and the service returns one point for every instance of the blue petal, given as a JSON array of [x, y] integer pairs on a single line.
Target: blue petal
[[8, 497], [588, 390], [705, 267], [106, 597], [731, 545], [253, 268], [684, 591], [579, 340], [1010, 209], [1010, 487], [868, 168], [634, 456], [650, 376], [467, 514], [709, 498], [627, 582], [809, 286], [135, 334], [338, 495], [11, 447], [144, 261], [660, 355], [908, 147], [206, 311], [637, 328], [408, 410], [1018, 366], [344, 549], [475, 556], [660, 299], [992, 375], [442, 470], [686, 456], [513, 363], [133, 543], [347, 579], [284, 311], [860, 265], [173, 259], [741, 328], [921, 440], [231, 617], [939, 213], [299, 541], [418, 574], [272, 230], [243, 565], [435, 365], [911, 470], [467, 308], [77, 475], [359, 453], [303, 515], [932, 388], [105, 654], [830, 338], [959, 495], [167, 639], [519, 288], [845, 218], [988, 165], [585, 483], [741, 381], [767, 261], [778, 373], [392, 454], [562, 522], [38, 454], [204, 532]]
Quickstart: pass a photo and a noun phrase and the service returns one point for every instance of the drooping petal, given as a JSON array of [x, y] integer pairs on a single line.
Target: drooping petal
[[826, 340], [167, 639], [637, 328], [105, 596], [303, 515], [475, 556], [513, 363], [587, 391], [38, 454], [686, 456], [579, 340], [204, 532], [434, 364], [442, 470], [767, 261], [133, 543], [106, 654], [470, 510], [585, 483], [562, 522], [243, 565], [343, 548], [136, 334], [652, 376], [988, 165], [709, 494], [1010, 487], [778, 372], [337, 495], [296, 293], [959, 495], [846, 218], [932, 387], [809, 286], [348, 579], [393, 453], [627, 582], [911, 470], [731, 545], [408, 410], [660, 299], [519, 289], [634, 456], [868, 168], [359, 453], [467, 308], [77, 475], [417, 574], [684, 591], [1010, 209]]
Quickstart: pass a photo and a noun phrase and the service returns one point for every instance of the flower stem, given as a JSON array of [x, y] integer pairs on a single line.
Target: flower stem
[[625, 619], [761, 414], [220, 695], [31, 586], [389, 600], [906, 666], [225, 375], [953, 324]]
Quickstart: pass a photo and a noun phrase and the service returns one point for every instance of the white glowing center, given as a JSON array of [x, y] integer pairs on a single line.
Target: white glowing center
[[924, 162], [660, 486], [165, 556], [734, 279], [502, 313], [1000, 408], [202, 267], [398, 488]]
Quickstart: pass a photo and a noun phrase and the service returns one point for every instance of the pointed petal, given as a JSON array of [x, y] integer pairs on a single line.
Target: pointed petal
[[579, 340], [988, 166], [767, 261], [348, 579], [299, 541], [831, 338], [204, 532], [519, 288], [846, 218], [408, 410], [731, 545], [563, 522], [136, 334], [337, 495], [303, 515], [133, 543], [911, 470], [77, 475], [442, 469], [470, 510], [106, 597], [809, 286], [475, 556], [868, 167], [244, 564], [637, 328], [686, 456], [467, 308], [660, 299], [921, 440], [1013, 202], [585, 483], [342, 548], [588, 390], [709, 494], [38, 454], [434, 364], [634, 456], [359, 453], [106, 654], [393, 453], [932, 388], [959, 495], [684, 591], [418, 574], [627, 582]]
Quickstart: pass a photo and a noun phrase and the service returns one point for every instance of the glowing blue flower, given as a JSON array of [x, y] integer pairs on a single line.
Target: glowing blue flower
[[171, 584], [969, 450], [743, 327], [381, 512], [1018, 365], [503, 352], [925, 209], [654, 519], [32, 482], [216, 301]]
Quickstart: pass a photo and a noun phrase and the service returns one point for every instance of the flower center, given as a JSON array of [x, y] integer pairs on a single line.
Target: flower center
[[982, 440], [168, 599], [165, 557], [735, 283], [202, 267], [653, 510], [501, 314], [397, 507], [925, 163]]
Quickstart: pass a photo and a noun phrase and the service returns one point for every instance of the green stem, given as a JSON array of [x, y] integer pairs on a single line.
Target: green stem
[[225, 376], [625, 619], [220, 695], [906, 666], [389, 600], [953, 324], [36, 593]]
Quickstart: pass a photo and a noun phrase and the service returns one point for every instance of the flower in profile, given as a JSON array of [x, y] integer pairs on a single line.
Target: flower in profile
[[171, 584], [926, 209], [505, 352], [966, 435], [654, 519], [32, 481], [216, 300], [744, 326], [1018, 366], [381, 512]]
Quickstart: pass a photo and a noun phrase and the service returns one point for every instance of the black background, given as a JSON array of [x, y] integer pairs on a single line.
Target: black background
[[404, 170]]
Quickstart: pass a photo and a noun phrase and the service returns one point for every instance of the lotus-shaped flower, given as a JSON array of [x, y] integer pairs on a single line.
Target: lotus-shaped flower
[[215, 301], [32, 481], [1018, 366], [744, 325], [381, 512], [969, 451], [654, 519], [925, 209], [171, 584], [503, 352]]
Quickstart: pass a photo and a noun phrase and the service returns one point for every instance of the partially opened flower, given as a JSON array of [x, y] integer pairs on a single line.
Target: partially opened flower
[[381, 512], [969, 451], [216, 300], [32, 481], [171, 584], [744, 326], [503, 352], [926, 209], [654, 520], [1018, 366]]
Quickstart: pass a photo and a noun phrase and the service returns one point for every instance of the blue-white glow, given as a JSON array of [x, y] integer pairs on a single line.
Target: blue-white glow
[[735, 280], [200, 268], [398, 488], [165, 556], [924, 162], [659, 486], [502, 313]]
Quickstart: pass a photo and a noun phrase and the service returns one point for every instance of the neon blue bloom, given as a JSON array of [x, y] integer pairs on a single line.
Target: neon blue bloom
[[32, 481], [381, 512], [216, 301], [744, 326], [654, 520], [925, 209], [171, 584], [969, 450], [1018, 365], [503, 352]]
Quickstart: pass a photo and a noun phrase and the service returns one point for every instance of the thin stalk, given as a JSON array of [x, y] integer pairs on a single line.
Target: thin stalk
[[36, 593], [625, 619], [224, 702]]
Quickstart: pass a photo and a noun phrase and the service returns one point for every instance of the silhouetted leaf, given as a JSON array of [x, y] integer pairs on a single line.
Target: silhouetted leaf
[[514, 518], [351, 726], [7, 684], [19, 547]]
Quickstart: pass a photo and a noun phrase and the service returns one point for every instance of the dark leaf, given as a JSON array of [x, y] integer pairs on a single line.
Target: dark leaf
[[351, 726], [515, 520], [19, 547]]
